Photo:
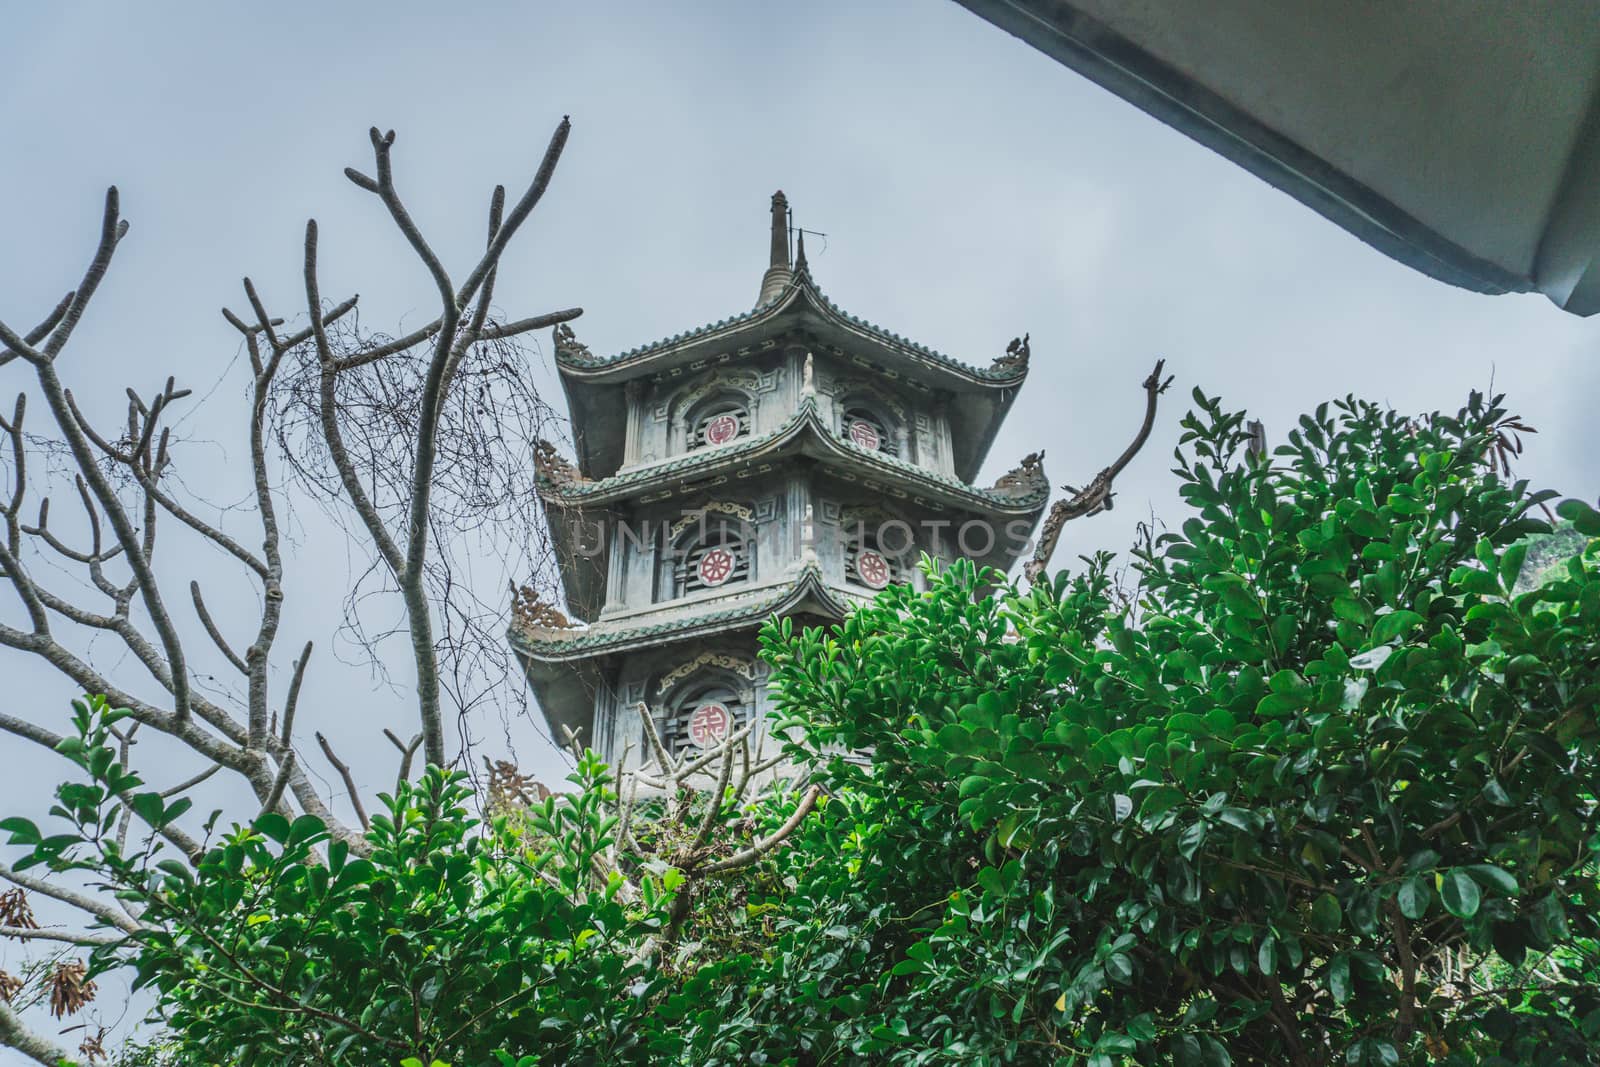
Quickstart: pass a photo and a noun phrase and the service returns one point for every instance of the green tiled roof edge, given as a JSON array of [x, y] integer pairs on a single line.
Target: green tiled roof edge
[[803, 278], [713, 458], [584, 641]]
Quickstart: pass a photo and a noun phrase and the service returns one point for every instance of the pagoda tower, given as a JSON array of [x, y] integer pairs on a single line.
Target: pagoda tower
[[791, 460]]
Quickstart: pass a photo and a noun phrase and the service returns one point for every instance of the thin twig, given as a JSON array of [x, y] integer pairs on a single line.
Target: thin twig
[[749, 855], [211, 629], [407, 751], [349, 782], [293, 699], [276, 795]]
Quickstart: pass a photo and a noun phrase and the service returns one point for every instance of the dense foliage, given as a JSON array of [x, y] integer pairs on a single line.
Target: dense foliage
[[449, 939], [1313, 782], [1320, 787]]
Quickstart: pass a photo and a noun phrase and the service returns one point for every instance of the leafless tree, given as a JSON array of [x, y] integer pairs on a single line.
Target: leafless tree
[[394, 431], [484, 504]]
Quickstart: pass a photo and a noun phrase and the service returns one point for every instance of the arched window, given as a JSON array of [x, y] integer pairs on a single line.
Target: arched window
[[711, 551], [702, 715], [865, 427], [877, 552], [717, 421]]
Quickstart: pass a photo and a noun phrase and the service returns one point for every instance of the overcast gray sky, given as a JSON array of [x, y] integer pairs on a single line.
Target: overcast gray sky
[[970, 188]]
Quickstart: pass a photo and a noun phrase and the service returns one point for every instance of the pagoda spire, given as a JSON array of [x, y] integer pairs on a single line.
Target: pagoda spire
[[778, 273]]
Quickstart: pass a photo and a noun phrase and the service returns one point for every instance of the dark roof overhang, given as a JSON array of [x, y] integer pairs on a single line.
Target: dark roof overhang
[[980, 397], [805, 434]]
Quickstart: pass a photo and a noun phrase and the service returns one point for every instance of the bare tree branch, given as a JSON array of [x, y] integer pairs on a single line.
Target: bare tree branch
[[41, 331], [748, 856], [68, 937], [14, 1034], [275, 796], [82, 901], [407, 752], [359, 500], [349, 783], [68, 424], [211, 629], [491, 332], [189, 783], [293, 700], [652, 737], [410, 428], [112, 230], [715, 800], [1096, 496]]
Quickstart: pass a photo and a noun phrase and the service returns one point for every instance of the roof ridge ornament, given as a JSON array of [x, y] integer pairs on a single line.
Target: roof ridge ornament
[[1024, 478], [1015, 357], [551, 467], [531, 611], [567, 344]]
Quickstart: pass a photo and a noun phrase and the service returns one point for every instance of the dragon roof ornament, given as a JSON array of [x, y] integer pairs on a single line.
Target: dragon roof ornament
[[1015, 359], [1025, 479]]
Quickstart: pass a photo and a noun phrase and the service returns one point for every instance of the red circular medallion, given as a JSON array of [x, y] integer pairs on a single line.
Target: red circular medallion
[[722, 429], [709, 724], [872, 569], [864, 434], [716, 566]]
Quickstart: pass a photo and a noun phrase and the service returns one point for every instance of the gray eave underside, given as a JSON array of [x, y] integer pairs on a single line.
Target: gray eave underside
[[1461, 139], [803, 592]]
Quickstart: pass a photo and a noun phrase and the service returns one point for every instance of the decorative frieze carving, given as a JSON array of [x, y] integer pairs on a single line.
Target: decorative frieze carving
[[755, 471], [753, 383], [743, 666], [716, 507], [747, 382], [846, 387]]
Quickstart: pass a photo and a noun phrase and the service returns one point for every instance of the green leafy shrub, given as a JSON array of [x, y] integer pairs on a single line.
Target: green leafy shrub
[[1320, 788], [451, 938]]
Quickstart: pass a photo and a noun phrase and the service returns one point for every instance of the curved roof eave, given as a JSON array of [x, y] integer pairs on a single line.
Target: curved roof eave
[[583, 573], [546, 645], [802, 289], [806, 423]]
